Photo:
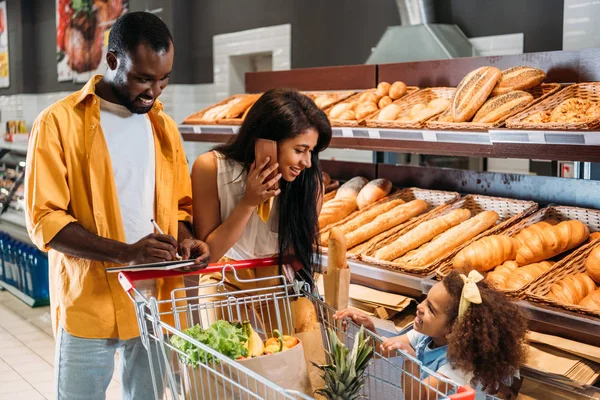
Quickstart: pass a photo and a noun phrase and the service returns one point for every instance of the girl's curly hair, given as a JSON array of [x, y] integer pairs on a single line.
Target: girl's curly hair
[[489, 339]]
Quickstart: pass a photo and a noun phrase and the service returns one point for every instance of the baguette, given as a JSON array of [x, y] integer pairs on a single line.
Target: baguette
[[445, 243], [473, 91], [422, 234], [572, 289], [502, 106], [375, 190], [526, 274], [498, 277], [363, 218], [486, 253], [552, 241], [591, 301], [518, 78], [385, 221], [351, 188], [329, 195], [304, 315], [240, 106], [335, 210], [592, 265], [336, 257]]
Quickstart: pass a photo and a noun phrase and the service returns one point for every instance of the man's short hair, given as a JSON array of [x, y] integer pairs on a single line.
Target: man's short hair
[[134, 28]]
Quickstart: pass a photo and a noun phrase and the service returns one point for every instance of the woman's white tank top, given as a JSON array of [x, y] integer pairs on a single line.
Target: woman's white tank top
[[259, 239]]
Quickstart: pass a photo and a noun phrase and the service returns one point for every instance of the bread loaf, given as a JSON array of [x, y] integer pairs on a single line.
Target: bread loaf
[[237, 109], [383, 222], [486, 253], [473, 91], [526, 274], [385, 101], [336, 257], [438, 105], [329, 195], [518, 78], [422, 234], [389, 113], [365, 109], [335, 210], [552, 241], [572, 289], [592, 265], [304, 315], [527, 233], [502, 106], [498, 277], [445, 243], [591, 301], [397, 90], [375, 190], [338, 109], [352, 187], [348, 115], [369, 96], [383, 89], [363, 218]]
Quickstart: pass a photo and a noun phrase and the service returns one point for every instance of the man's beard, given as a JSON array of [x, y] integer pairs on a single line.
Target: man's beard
[[126, 102]]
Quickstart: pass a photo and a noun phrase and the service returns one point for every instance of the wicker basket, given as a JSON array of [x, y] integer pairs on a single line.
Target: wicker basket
[[509, 212], [344, 123], [539, 94], [339, 96], [197, 118], [437, 200], [559, 213], [421, 97], [570, 265], [588, 91]]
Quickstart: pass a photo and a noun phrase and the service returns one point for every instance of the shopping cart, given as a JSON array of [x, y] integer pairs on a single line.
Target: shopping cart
[[268, 308]]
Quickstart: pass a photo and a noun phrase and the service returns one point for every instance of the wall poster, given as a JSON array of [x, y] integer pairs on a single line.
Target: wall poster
[[4, 68], [82, 28]]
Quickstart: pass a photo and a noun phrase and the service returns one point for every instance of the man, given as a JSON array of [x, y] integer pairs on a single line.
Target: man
[[102, 163]]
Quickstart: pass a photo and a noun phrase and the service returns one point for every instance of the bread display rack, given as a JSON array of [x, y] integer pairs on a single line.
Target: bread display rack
[[563, 67]]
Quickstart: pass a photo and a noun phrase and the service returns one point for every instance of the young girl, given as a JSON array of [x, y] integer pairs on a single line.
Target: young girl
[[229, 184], [464, 331]]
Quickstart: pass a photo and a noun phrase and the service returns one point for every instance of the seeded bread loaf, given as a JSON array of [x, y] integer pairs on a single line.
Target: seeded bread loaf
[[473, 91], [518, 78], [502, 106]]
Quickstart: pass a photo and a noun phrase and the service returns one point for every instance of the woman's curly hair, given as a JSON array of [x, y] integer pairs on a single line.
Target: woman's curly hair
[[489, 339]]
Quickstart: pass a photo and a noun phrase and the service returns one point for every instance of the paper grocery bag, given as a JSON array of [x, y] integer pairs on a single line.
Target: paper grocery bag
[[314, 352], [336, 283], [282, 369]]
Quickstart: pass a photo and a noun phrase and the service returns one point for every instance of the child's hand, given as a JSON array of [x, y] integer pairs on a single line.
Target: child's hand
[[389, 346], [358, 317]]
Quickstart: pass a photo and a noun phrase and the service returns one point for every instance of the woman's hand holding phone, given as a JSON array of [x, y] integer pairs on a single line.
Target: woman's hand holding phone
[[258, 187]]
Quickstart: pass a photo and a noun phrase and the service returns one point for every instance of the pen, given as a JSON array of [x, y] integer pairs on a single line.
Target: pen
[[177, 256]]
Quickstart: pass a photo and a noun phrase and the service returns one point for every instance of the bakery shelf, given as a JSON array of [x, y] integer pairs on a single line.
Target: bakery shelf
[[499, 143], [17, 147]]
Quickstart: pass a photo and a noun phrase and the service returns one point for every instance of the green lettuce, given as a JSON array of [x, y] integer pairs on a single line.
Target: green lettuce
[[228, 339]]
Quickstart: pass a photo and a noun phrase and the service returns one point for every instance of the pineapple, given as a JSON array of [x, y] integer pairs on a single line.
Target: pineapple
[[344, 376]]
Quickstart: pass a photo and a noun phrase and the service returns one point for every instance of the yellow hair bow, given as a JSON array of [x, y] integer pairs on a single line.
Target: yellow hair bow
[[470, 292]]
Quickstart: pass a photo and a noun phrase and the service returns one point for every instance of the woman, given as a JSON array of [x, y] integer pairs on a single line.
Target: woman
[[229, 184]]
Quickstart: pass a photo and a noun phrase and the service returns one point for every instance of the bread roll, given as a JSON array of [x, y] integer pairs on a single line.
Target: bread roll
[[335, 210], [375, 190], [397, 90], [552, 241], [572, 289], [369, 96], [363, 218], [336, 256], [592, 265], [388, 220], [385, 101], [424, 114], [338, 109], [389, 113], [438, 105], [417, 108], [363, 110], [502, 106], [304, 315], [422, 234], [526, 274], [518, 78], [348, 115], [450, 240], [591, 301], [486, 253], [498, 277], [570, 110], [383, 89], [473, 91], [351, 188]]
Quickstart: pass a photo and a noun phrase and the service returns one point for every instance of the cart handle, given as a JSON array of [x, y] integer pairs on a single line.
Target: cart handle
[[127, 278], [463, 393]]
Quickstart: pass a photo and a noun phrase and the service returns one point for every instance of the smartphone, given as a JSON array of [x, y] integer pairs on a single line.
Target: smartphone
[[266, 148]]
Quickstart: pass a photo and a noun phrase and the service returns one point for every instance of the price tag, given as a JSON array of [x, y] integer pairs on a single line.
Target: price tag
[[347, 132], [197, 129], [536, 137], [374, 134], [429, 136]]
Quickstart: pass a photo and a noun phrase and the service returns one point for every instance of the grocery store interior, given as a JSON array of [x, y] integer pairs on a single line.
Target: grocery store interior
[[387, 74]]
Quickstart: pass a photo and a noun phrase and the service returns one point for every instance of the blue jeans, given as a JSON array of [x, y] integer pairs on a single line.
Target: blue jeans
[[83, 368]]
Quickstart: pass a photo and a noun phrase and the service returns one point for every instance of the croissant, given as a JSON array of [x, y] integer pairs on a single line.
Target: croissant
[[592, 265], [525, 234], [592, 300], [572, 289], [551, 241], [526, 274], [486, 253], [498, 277]]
